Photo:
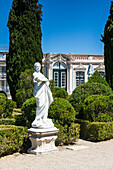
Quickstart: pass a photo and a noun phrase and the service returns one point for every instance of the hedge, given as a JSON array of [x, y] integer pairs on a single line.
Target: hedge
[[7, 121], [95, 131], [11, 139], [67, 134]]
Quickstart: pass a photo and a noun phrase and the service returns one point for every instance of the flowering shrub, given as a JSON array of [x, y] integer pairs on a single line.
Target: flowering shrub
[[60, 92]]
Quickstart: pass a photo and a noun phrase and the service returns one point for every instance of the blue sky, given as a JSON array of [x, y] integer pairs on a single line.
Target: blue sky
[[68, 26]]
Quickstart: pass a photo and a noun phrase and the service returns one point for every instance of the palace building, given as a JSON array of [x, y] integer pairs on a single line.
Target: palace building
[[67, 70], [3, 81], [70, 70]]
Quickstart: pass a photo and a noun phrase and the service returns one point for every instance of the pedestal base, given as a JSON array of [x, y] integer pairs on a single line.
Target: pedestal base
[[43, 140]]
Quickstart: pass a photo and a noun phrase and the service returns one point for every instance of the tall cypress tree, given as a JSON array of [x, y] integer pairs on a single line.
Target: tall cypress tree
[[107, 38], [25, 40]]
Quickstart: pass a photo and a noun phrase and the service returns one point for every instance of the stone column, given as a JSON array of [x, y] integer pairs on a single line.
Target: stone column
[[70, 78], [49, 71]]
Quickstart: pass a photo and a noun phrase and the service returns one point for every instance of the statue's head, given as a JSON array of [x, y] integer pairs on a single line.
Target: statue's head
[[37, 66]]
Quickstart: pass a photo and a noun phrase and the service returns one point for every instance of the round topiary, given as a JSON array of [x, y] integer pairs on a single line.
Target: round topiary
[[61, 111], [83, 91], [98, 108], [6, 106], [60, 92], [29, 110]]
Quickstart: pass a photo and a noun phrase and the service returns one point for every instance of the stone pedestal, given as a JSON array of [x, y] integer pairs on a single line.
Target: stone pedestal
[[43, 140]]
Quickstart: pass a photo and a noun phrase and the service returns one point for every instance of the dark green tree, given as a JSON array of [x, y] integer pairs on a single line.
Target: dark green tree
[[25, 89], [107, 38], [25, 40]]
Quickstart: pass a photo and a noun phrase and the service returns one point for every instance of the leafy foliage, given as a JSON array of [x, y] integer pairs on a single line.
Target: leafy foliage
[[83, 91], [60, 92], [25, 40], [52, 85], [29, 111], [67, 134], [95, 131], [63, 115], [25, 89], [96, 105], [11, 139], [7, 121], [6, 107], [97, 78], [107, 38], [61, 111]]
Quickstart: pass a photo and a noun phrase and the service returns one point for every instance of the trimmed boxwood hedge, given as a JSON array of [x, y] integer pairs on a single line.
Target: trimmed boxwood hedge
[[67, 134], [7, 121], [11, 139], [95, 131]]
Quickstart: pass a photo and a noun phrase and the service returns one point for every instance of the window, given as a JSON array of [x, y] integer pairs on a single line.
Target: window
[[56, 78], [60, 75], [79, 78], [63, 80]]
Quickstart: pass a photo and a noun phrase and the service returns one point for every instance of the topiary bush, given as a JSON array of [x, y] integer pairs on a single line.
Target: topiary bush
[[11, 139], [29, 111], [7, 121], [63, 115], [52, 85], [60, 92], [95, 131], [97, 78], [83, 91], [98, 108], [67, 134], [6, 107], [61, 111]]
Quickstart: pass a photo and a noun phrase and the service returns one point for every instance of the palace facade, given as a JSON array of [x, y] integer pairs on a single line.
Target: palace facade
[[67, 70], [3, 81], [70, 70]]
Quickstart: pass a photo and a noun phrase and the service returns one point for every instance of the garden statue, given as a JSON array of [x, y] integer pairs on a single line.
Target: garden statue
[[44, 98]]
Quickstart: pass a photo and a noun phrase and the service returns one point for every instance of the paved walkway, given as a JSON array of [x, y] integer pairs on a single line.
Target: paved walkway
[[98, 156]]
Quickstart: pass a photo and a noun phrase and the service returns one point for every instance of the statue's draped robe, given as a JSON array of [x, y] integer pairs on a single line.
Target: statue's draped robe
[[43, 96]]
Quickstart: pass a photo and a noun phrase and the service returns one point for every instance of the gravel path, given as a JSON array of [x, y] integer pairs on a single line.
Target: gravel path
[[98, 156]]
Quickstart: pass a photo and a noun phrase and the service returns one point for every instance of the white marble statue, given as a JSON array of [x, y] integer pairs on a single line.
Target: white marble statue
[[44, 98]]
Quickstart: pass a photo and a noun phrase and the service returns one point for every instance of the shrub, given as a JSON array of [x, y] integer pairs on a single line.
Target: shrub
[[60, 92], [63, 115], [61, 111], [25, 90], [2, 105], [6, 107], [11, 139], [52, 85], [29, 111], [66, 134], [97, 78], [95, 131], [98, 108], [83, 91], [7, 121]]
